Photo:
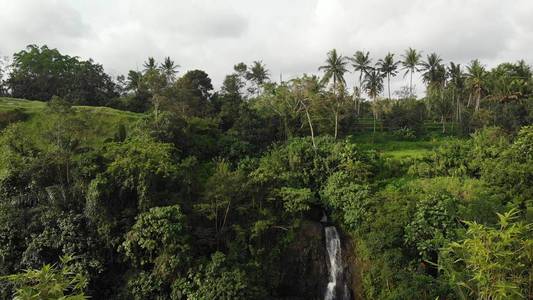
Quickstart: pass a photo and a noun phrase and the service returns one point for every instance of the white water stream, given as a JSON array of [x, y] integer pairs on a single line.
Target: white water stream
[[337, 288]]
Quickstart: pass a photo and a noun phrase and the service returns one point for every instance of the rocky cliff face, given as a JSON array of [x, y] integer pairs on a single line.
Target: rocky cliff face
[[352, 267], [304, 270]]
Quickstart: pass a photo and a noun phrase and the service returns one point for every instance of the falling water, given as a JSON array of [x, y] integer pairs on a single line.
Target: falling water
[[337, 288]]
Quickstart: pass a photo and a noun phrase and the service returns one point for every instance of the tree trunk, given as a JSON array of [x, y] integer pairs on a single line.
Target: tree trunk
[[225, 216], [375, 115], [336, 122], [355, 100], [360, 94], [478, 99], [216, 222], [456, 105], [411, 84], [388, 83], [336, 102], [459, 106], [310, 126], [357, 106], [287, 131]]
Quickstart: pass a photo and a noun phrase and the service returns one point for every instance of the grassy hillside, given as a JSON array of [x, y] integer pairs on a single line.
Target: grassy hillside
[[102, 122]]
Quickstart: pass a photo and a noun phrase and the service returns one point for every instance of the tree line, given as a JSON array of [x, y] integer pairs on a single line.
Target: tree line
[[460, 98]]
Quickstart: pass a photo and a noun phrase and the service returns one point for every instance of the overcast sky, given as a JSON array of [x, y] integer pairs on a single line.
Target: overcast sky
[[290, 36]]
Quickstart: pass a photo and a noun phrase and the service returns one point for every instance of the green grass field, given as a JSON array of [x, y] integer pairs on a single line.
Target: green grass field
[[390, 145], [36, 107], [102, 121]]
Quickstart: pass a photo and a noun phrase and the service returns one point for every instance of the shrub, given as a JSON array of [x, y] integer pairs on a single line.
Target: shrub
[[8, 117]]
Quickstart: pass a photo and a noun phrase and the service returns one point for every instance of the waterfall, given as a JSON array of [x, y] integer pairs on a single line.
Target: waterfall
[[337, 288]]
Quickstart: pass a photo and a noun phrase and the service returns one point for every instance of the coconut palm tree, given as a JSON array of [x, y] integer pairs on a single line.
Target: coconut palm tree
[[373, 85], [456, 75], [522, 69], [361, 62], [258, 74], [150, 64], [134, 80], [410, 63], [476, 77], [388, 68], [334, 69], [434, 71], [434, 75], [457, 84], [169, 69]]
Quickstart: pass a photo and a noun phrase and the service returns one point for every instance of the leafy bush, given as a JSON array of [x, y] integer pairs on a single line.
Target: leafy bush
[[50, 282], [215, 279], [352, 200], [491, 262], [404, 133], [433, 224], [158, 247], [12, 116], [408, 114]]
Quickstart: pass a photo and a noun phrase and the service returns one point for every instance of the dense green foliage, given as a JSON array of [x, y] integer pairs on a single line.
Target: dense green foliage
[[49, 282], [202, 193], [40, 73]]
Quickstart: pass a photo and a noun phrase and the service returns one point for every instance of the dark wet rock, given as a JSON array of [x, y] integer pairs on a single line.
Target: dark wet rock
[[304, 272], [352, 267]]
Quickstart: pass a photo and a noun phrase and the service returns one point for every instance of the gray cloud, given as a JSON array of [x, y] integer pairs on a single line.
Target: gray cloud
[[29, 22], [291, 37]]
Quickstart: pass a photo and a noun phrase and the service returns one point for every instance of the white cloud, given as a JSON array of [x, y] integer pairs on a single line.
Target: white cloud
[[291, 37]]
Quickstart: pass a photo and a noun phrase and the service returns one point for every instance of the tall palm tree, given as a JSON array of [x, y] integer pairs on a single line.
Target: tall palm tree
[[258, 74], [410, 63], [434, 71], [434, 75], [388, 68], [361, 62], [522, 69], [456, 75], [334, 69], [134, 80], [169, 69], [373, 85], [476, 77], [457, 83], [150, 64]]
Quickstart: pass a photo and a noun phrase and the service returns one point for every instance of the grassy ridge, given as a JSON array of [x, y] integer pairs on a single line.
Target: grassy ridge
[[35, 107], [102, 122]]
